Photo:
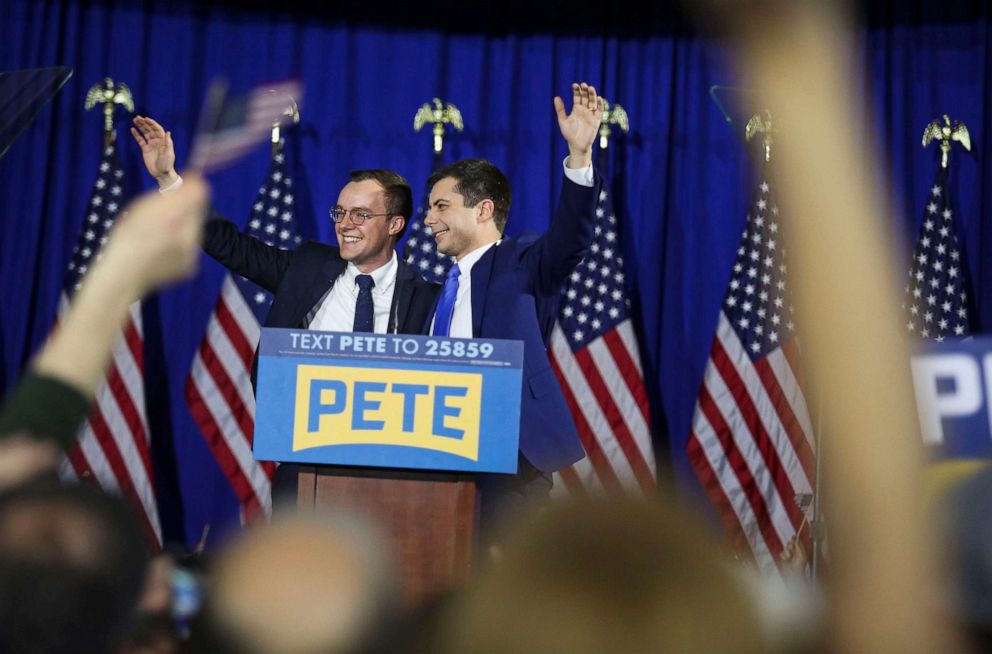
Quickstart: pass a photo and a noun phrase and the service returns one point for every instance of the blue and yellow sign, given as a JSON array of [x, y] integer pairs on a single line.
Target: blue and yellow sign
[[385, 400], [953, 383]]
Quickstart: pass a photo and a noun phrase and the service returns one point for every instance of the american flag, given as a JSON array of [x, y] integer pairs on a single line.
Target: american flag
[[218, 389], [936, 302], [113, 449], [595, 354], [232, 126], [751, 444]]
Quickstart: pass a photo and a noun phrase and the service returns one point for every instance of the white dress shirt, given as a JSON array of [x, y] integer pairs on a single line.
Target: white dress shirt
[[461, 317], [581, 176], [337, 312]]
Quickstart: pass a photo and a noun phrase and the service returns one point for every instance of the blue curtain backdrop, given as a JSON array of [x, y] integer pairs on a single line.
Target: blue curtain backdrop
[[685, 175]]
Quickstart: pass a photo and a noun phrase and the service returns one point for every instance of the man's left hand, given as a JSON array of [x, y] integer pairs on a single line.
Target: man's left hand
[[581, 126]]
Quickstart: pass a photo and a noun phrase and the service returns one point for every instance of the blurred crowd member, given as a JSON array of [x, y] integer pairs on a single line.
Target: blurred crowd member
[[152, 633], [963, 512], [154, 242], [300, 585], [153, 629], [24, 456], [604, 576], [790, 608], [884, 568], [72, 560], [580, 582], [72, 563]]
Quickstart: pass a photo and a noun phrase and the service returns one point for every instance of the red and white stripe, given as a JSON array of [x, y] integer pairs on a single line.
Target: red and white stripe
[[220, 397], [604, 387], [752, 444], [113, 446]]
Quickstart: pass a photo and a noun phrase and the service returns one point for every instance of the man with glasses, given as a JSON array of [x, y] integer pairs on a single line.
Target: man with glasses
[[360, 286]]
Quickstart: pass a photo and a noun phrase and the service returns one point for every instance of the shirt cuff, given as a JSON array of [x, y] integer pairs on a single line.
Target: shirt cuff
[[580, 176], [174, 186]]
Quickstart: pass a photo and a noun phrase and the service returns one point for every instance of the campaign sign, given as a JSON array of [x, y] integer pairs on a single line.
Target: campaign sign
[[953, 383], [388, 400]]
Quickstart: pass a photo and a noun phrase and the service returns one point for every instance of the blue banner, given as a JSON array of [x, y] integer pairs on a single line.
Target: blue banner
[[953, 383], [388, 400]]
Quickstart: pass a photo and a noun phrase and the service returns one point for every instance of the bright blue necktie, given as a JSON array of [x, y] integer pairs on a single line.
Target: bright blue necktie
[[446, 305], [364, 308]]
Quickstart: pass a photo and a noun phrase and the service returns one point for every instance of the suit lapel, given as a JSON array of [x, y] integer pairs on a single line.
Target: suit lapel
[[481, 274], [430, 314], [314, 296], [402, 296]]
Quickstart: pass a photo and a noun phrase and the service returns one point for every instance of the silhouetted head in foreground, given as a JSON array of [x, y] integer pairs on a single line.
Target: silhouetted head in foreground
[[72, 563], [604, 576], [298, 586]]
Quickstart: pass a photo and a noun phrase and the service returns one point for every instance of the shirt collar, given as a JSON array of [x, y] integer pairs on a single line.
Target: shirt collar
[[470, 259], [383, 276]]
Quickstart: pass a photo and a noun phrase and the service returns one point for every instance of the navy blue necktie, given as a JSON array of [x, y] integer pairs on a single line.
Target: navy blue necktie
[[364, 308], [446, 305]]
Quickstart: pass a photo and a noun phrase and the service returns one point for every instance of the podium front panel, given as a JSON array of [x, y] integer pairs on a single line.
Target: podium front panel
[[388, 401]]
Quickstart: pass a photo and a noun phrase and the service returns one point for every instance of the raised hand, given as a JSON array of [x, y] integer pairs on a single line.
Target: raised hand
[[581, 126], [157, 239], [156, 149], [154, 242]]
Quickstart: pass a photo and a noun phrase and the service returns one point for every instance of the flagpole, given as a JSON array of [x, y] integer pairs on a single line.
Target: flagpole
[[420, 249], [817, 531], [760, 124]]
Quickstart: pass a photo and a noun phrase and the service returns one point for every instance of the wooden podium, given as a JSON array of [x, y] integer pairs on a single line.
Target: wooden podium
[[394, 428], [429, 517]]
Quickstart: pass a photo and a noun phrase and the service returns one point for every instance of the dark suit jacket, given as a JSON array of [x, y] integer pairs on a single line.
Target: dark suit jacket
[[300, 279], [516, 290]]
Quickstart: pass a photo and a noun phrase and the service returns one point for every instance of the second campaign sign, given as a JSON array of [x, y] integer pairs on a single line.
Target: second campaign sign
[[388, 400]]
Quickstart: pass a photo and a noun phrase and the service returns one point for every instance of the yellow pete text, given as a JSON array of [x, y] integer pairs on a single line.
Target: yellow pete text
[[437, 411]]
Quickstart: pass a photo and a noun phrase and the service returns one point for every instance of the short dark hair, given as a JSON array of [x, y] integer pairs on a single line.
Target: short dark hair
[[399, 197], [59, 597], [478, 180]]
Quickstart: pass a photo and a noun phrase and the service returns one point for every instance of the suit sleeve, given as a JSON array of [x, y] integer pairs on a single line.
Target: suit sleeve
[[560, 249], [45, 407], [243, 254]]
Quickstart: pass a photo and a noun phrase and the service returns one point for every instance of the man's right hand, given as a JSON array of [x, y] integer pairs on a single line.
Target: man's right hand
[[156, 149]]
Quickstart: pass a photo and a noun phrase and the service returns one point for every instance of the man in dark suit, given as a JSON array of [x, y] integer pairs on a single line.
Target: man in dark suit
[[361, 285], [510, 287], [320, 286]]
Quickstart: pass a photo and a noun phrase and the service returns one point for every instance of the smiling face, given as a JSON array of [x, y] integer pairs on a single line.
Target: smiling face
[[371, 244], [458, 229]]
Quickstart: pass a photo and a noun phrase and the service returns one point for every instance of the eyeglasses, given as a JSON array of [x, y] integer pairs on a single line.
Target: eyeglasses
[[358, 216]]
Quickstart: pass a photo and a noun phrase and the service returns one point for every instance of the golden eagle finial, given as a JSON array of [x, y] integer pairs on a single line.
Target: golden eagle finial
[[761, 124], [612, 115], [108, 96], [439, 115], [945, 133]]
